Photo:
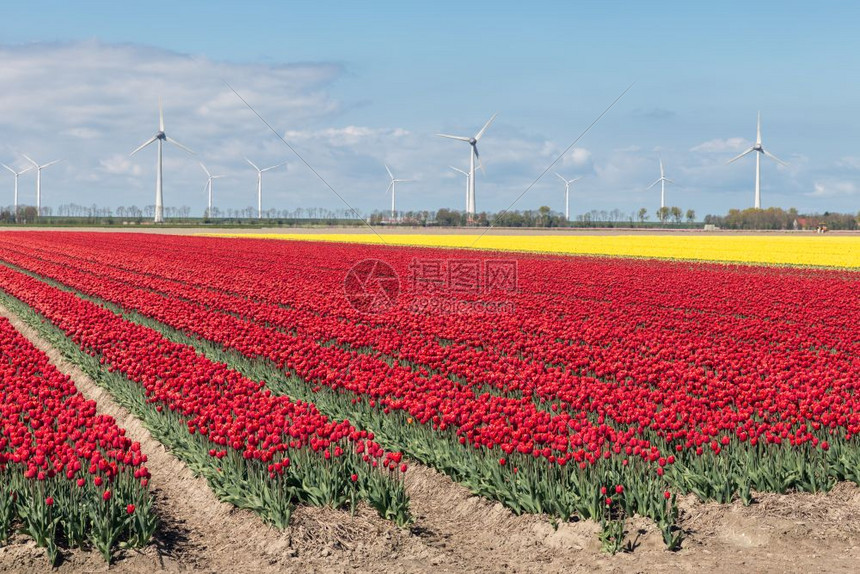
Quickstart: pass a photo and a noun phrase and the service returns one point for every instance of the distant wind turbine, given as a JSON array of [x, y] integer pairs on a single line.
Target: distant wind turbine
[[662, 180], [468, 177], [567, 184], [392, 186], [209, 186], [473, 156], [260, 184], [761, 151], [16, 174], [159, 137], [39, 169]]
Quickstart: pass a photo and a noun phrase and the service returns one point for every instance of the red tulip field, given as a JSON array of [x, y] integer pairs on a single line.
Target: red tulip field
[[62, 467], [304, 374]]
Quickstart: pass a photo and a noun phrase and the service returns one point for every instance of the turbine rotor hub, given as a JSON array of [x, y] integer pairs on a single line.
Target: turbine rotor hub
[[161, 136]]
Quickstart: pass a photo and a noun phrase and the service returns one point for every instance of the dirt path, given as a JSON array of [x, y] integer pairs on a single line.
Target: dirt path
[[454, 531]]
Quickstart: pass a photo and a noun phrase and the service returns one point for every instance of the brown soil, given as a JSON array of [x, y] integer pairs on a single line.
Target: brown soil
[[454, 532]]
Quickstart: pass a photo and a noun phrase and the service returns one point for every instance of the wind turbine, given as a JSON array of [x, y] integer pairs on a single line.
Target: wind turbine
[[209, 185], [260, 184], [663, 180], [39, 169], [468, 177], [392, 186], [567, 184], [761, 151], [160, 137], [473, 155], [16, 174]]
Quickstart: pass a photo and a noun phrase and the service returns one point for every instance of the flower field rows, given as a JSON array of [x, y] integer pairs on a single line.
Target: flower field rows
[[257, 450], [67, 475], [607, 387], [774, 249]]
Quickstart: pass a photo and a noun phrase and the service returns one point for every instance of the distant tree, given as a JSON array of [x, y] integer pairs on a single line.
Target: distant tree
[[448, 217], [643, 215], [676, 214], [544, 216], [27, 214], [663, 214], [691, 216]]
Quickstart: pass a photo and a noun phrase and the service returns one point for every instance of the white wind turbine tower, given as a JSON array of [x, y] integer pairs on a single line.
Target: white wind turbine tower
[[16, 174], [662, 180], [473, 155], [260, 184], [159, 137], [761, 151], [567, 184], [392, 186], [209, 186], [468, 177], [39, 169]]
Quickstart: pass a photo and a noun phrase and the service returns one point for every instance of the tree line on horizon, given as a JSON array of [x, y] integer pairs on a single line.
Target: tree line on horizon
[[773, 218]]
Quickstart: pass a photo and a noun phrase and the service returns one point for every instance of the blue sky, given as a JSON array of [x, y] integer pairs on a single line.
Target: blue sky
[[353, 86]]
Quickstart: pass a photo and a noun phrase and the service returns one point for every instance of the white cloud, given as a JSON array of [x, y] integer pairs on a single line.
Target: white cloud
[[849, 162], [578, 157], [346, 136], [119, 164], [92, 103], [722, 145], [81, 133], [834, 188]]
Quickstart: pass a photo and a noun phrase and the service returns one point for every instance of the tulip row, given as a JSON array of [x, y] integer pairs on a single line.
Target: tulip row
[[68, 476], [259, 451], [700, 378]]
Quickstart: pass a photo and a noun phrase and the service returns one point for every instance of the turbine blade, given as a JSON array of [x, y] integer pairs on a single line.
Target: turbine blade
[[252, 164], [179, 145], [28, 158], [561, 178], [653, 184], [576, 179], [160, 116], [9, 168], [667, 180], [737, 157], [391, 175], [478, 157], [143, 145], [461, 138], [51, 163], [483, 129], [204, 168], [458, 170], [390, 185], [773, 157], [273, 166], [758, 130]]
